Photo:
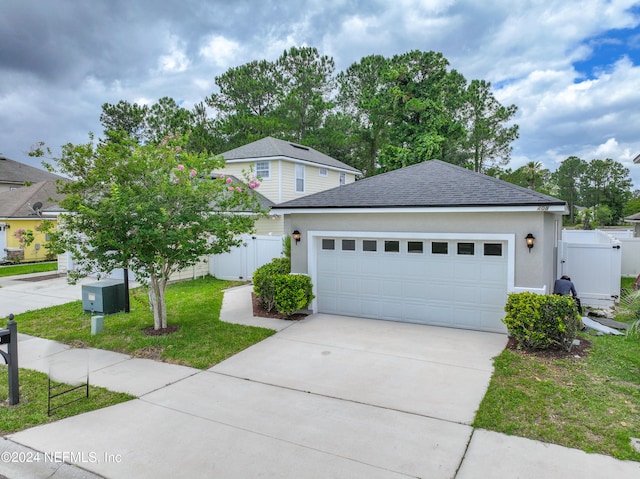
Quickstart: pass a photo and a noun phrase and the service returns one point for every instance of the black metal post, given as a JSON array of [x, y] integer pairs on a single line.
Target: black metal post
[[127, 306], [12, 349]]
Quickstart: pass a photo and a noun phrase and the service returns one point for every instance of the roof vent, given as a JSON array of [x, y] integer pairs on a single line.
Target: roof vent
[[300, 147]]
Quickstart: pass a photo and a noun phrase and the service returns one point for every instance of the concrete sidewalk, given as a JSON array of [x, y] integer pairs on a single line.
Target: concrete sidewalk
[[326, 397]]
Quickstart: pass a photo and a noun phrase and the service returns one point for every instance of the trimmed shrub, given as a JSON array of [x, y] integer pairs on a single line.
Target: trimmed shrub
[[539, 321], [263, 277], [293, 292]]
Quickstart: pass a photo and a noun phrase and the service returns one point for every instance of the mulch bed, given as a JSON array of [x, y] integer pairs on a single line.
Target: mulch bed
[[258, 310], [555, 352], [160, 332]]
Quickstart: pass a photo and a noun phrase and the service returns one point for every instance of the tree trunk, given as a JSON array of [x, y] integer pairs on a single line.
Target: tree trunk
[[157, 287]]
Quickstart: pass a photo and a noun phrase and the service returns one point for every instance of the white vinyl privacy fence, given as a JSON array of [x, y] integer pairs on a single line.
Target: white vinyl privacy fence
[[593, 261], [241, 262]]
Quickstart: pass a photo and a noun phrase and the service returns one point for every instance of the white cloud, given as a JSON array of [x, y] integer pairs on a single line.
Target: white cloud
[[223, 52], [175, 60]]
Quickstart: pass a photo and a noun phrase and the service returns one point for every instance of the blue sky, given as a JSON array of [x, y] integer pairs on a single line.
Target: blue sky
[[571, 66], [608, 48]]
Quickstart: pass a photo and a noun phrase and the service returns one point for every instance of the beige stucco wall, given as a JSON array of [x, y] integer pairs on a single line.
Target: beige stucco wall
[[533, 269]]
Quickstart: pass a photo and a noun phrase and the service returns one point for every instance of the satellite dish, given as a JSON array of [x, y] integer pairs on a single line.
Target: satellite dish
[[37, 206]]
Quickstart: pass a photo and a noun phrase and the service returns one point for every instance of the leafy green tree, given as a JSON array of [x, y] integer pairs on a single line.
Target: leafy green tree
[[361, 96], [125, 116], [247, 102], [308, 83], [488, 138], [631, 207], [534, 174], [422, 98], [150, 124], [607, 182], [604, 216], [166, 117], [149, 207], [531, 175], [568, 178]]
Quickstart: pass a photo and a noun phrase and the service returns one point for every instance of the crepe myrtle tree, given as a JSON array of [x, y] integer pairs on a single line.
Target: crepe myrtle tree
[[153, 208]]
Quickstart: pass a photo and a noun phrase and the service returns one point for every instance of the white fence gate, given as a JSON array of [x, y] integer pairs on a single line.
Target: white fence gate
[[593, 261], [630, 257], [241, 262]]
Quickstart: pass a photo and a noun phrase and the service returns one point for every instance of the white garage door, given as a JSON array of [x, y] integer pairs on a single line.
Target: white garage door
[[454, 283]]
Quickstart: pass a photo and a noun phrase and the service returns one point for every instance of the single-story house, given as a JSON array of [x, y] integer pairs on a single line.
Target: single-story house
[[431, 243]]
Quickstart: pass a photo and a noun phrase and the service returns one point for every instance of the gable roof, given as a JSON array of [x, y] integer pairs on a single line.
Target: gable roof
[[264, 202], [19, 203], [430, 184], [14, 172], [269, 147]]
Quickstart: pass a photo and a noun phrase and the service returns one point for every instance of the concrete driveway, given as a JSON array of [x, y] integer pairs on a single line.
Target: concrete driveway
[[328, 396]]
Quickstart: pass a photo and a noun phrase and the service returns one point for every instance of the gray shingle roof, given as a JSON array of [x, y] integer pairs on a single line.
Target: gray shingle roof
[[14, 172], [18, 203], [264, 202], [430, 184], [270, 147]]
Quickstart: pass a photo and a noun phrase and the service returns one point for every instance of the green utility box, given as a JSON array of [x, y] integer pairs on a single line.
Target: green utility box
[[106, 297]]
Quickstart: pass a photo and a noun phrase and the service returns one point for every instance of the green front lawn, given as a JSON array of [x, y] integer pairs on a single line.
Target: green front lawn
[[16, 269], [590, 403], [32, 409], [201, 341]]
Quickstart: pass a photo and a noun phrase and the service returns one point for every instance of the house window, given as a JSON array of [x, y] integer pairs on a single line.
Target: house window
[[493, 249], [415, 247], [263, 169], [466, 249], [328, 244], [299, 178], [343, 178], [392, 246], [438, 247], [323, 172], [348, 245], [369, 245]]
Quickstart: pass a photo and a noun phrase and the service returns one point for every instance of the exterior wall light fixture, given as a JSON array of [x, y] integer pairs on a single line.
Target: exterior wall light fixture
[[296, 236], [530, 239]]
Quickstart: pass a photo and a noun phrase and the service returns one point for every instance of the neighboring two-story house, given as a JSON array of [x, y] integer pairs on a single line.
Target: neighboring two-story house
[[286, 171]]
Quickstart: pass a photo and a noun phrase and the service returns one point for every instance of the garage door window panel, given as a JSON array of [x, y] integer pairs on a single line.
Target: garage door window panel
[[415, 247], [492, 249], [369, 245], [348, 245], [328, 244], [466, 249], [439, 247], [391, 246]]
